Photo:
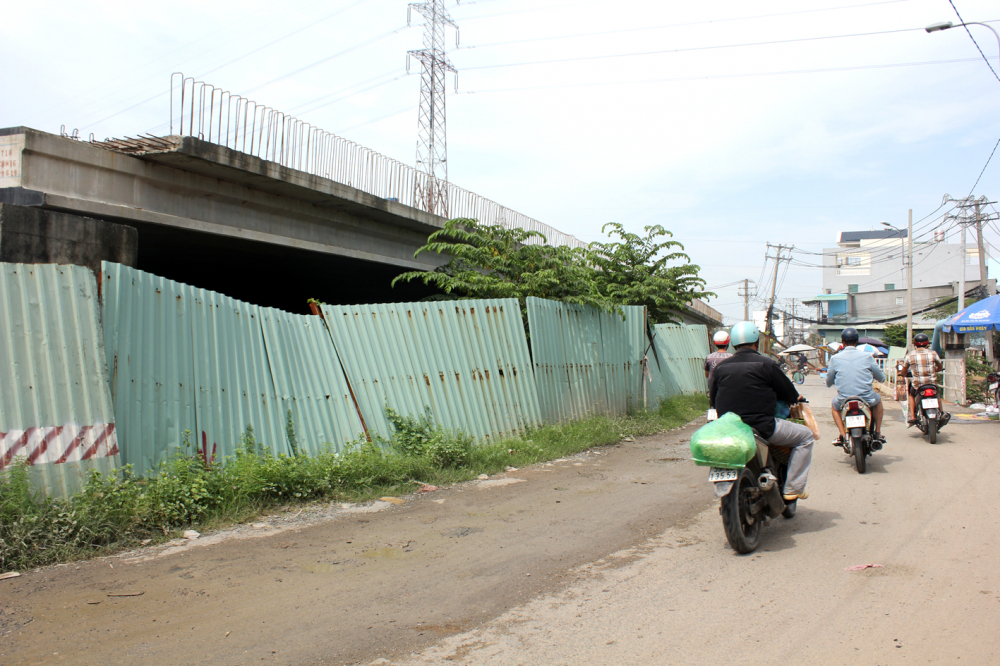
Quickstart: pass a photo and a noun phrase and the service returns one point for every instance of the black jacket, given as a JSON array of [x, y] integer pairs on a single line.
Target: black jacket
[[750, 385]]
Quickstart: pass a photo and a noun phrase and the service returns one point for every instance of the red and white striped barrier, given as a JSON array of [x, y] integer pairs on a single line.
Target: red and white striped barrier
[[58, 444]]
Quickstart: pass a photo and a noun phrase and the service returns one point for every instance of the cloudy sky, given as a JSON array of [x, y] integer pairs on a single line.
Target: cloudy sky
[[731, 123]]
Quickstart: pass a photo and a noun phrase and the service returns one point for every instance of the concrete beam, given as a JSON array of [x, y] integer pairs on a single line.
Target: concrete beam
[[31, 235], [200, 187]]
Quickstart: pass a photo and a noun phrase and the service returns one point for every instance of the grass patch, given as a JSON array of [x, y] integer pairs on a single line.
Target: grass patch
[[120, 511]]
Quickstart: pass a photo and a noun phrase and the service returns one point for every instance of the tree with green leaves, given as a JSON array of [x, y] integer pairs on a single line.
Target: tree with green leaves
[[895, 334], [636, 270], [492, 261]]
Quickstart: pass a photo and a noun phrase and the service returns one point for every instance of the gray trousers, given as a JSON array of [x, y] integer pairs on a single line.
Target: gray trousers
[[800, 440]]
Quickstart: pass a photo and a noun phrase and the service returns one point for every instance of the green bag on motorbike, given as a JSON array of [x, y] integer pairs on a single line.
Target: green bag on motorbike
[[726, 442]]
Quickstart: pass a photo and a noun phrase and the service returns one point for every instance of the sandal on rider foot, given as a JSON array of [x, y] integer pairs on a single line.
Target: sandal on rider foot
[[791, 497], [839, 441], [911, 422]]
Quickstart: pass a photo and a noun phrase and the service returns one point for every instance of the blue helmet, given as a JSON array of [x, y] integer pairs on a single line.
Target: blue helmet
[[744, 333]]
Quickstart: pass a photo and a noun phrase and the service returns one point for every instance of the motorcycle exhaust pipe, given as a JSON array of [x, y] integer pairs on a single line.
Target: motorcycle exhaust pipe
[[766, 481]]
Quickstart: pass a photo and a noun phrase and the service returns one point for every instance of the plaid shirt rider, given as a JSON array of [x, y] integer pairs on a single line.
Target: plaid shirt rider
[[924, 364]]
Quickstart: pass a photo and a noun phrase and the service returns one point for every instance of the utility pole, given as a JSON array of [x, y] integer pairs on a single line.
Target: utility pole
[[778, 258], [909, 281], [746, 298], [432, 146], [983, 274], [961, 278]]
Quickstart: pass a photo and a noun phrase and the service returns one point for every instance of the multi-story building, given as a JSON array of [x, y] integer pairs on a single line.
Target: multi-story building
[[864, 277]]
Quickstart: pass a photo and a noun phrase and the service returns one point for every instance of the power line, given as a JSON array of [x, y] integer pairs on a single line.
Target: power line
[[718, 76], [969, 293], [310, 24], [978, 48], [984, 167], [673, 25], [689, 49]]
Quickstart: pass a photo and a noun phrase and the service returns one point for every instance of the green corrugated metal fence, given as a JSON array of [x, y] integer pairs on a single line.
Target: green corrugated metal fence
[[465, 360], [680, 355], [308, 380], [55, 408], [184, 359], [586, 361]]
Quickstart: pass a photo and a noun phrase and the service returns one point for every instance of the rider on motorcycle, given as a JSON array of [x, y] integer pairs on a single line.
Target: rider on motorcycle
[[853, 372], [801, 364], [751, 385], [721, 342], [924, 364]]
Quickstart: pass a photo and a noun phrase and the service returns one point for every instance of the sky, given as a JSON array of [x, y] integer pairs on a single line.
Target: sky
[[733, 124]]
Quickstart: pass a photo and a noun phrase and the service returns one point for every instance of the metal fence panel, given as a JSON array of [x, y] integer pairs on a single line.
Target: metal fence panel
[[309, 380], [185, 359], [55, 407], [681, 352], [586, 361], [467, 361]]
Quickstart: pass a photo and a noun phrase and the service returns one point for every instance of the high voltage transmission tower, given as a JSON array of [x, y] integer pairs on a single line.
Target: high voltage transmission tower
[[432, 144]]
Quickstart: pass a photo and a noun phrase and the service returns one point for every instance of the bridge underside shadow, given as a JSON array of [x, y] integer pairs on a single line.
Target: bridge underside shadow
[[269, 275]]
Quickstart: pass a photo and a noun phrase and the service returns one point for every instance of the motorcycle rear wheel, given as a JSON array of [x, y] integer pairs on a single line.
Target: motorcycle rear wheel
[[742, 529], [859, 454], [932, 430]]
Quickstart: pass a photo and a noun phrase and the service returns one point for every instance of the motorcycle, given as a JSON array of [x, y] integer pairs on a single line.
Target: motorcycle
[[930, 417], [857, 415], [752, 495]]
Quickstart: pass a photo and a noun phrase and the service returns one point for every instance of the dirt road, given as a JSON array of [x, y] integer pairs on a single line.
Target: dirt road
[[613, 557]]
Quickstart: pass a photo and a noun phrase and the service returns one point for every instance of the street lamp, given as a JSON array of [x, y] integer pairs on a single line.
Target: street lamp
[[946, 25], [909, 274]]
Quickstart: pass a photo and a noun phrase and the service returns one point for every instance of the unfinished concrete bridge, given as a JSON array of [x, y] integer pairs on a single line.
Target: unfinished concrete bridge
[[272, 228]]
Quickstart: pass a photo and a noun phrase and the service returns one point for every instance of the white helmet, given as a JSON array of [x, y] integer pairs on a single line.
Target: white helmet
[[721, 339]]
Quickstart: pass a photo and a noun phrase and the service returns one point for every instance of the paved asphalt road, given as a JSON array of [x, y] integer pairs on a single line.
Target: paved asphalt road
[[611, 557]]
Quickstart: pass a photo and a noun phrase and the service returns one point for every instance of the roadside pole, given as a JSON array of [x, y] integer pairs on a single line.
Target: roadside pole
[[983, 277], [746, 299], [961, 260], [909, 281]]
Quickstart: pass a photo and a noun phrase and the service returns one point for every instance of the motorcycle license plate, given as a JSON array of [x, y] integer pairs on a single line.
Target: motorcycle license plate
[[717, 474], [994, 386], [929, 403], [856, 421]]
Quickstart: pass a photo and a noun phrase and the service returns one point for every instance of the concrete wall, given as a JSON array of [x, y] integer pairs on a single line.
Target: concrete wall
[[34, 236]]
